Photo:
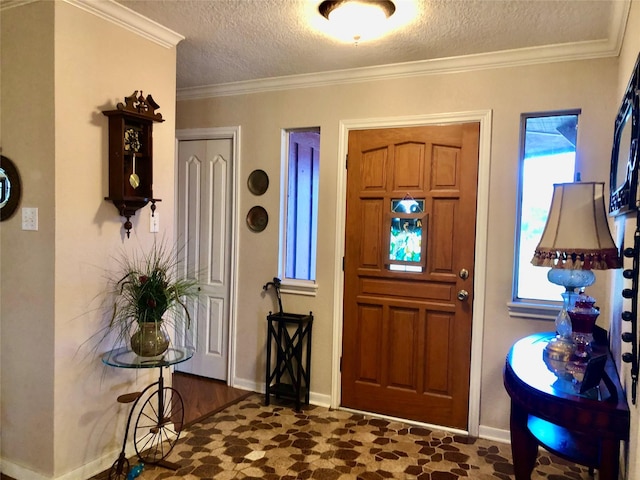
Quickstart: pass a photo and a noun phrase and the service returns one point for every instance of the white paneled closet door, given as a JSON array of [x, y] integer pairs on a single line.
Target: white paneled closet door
[[205, 175]]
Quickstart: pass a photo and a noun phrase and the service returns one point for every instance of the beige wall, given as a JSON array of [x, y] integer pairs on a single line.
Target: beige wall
[[27, 258], [62, 66], [58, 408], [625, 230], [589, 85]]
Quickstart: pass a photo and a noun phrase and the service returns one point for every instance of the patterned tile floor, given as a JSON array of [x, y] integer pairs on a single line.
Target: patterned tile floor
[[251, 441]]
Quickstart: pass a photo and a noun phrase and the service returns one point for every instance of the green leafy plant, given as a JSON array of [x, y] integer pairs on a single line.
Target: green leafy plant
[[148, 288]]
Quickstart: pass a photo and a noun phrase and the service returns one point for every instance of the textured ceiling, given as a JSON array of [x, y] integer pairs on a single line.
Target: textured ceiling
[[238, 40]]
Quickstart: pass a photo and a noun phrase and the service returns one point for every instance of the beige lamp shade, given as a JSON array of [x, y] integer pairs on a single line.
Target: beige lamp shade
[[577, 235]]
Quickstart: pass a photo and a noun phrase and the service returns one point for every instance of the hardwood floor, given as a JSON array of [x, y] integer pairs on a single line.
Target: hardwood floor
[[204, 396]]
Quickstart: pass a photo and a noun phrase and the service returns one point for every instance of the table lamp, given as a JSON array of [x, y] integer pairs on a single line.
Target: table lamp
[[576, 240]]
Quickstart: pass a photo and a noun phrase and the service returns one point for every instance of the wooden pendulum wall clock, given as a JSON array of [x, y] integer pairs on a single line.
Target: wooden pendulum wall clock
[[131, 155]]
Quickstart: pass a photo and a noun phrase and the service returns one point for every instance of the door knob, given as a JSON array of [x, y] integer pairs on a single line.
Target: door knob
[[463, 295]]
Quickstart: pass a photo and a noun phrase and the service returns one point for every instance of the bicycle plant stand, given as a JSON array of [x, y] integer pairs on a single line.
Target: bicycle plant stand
[[159, 420]]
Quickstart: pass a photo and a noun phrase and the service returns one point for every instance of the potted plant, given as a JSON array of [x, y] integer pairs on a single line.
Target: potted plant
[[148, 294]]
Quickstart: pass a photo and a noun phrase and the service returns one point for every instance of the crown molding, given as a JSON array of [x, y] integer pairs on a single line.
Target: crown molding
[[609, 47], [618, 24], [124, 17], [467, 63], [7, 4], [118, 14]]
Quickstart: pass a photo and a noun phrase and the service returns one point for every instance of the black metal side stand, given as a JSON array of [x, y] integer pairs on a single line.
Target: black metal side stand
[[290, 335]]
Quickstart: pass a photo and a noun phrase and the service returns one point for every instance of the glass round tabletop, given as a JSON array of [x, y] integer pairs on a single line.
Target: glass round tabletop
[[124, 358]]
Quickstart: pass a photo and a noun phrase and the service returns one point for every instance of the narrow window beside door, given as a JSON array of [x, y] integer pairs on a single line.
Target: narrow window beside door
[[298, 239], [547, 156]]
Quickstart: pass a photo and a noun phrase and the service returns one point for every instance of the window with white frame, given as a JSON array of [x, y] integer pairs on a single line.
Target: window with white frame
[[547, 155], [299, 226]]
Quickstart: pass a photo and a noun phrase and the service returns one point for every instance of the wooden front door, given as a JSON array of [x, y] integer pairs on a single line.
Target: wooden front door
[[409, 265]]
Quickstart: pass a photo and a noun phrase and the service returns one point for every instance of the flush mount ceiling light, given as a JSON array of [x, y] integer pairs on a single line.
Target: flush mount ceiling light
[[357, 20]]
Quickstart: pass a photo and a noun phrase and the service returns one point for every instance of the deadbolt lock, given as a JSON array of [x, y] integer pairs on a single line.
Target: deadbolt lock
[[464, 274], [463, 295]]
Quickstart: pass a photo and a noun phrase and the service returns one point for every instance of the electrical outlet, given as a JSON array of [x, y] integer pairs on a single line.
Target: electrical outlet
[[154, 222], [29, 218]]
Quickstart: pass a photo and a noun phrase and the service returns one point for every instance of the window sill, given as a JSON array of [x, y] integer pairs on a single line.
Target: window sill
[[538, 311], [292, 287]]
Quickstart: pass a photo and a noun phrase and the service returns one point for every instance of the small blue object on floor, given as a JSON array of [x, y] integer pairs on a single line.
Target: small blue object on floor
[[135, 471]]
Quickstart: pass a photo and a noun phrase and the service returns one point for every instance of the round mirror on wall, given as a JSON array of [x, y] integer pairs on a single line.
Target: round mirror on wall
[[10, 188]]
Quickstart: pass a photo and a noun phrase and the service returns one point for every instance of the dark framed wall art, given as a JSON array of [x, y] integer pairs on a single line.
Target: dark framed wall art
[[624, 154]]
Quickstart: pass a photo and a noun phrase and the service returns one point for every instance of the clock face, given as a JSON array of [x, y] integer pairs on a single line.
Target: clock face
[[132, 140]]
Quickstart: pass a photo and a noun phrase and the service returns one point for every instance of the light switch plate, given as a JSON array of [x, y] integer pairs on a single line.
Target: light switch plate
[[29, 218]]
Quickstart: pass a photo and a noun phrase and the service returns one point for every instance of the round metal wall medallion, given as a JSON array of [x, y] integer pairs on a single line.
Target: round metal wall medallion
[[257, 219], [258, 182]]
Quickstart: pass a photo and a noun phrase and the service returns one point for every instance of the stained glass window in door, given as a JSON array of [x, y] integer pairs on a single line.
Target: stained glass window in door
[[406, 234]]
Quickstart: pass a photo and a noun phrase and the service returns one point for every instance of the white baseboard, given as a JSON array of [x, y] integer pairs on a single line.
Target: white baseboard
[[245, 384], [16, 471], [495, 434], [318, 399], [85, 471]]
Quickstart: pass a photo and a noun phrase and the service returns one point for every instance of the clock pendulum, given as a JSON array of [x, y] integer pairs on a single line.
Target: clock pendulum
[[134, 179]]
